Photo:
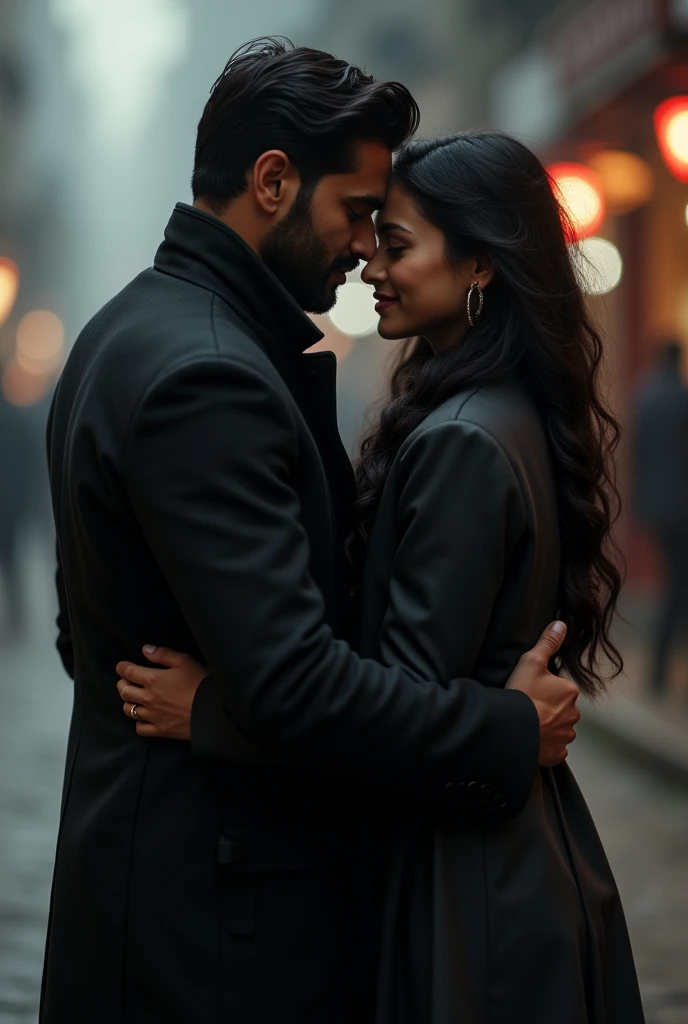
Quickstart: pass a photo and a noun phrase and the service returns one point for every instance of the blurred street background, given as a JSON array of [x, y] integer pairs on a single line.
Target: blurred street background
[[99, 101]]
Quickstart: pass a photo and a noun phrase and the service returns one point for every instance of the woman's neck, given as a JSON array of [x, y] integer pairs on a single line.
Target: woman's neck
[[443, 339]]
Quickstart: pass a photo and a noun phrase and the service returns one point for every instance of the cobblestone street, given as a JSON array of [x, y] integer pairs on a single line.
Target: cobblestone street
[[643, 821], [644, 825]]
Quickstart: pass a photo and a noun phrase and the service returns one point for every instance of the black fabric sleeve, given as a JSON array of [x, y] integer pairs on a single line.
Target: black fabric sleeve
[[461, 515], [209, 466]]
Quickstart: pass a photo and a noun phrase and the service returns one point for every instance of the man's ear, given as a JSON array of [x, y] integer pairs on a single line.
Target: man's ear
[[274, 181]]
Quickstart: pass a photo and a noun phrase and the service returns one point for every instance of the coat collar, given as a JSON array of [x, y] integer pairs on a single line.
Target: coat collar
[[201, 249]]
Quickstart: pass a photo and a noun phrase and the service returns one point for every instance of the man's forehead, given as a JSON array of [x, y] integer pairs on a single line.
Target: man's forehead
[[373, 163], [366, 182]]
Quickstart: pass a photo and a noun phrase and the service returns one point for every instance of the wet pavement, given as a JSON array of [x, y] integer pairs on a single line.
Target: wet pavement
[[35, 705], [643, 821]]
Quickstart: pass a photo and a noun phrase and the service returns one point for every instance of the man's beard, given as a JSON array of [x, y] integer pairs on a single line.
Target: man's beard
[[299, 259]]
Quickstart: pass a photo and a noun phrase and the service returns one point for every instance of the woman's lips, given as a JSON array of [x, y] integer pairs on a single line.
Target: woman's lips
[[383, 302]]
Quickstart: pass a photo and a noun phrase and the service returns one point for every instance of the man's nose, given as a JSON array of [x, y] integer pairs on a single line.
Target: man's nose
[[364, 244]]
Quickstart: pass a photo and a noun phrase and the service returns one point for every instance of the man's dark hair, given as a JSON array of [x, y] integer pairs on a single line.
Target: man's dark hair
[[314, 107]]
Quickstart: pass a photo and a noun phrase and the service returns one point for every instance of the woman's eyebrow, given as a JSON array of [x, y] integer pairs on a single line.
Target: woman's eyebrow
[[391, 226]]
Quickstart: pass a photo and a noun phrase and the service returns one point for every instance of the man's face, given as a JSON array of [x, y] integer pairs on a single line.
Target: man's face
[[329, 229]]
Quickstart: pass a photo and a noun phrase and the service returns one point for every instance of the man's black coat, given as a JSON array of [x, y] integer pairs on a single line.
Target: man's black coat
[[200, 492]]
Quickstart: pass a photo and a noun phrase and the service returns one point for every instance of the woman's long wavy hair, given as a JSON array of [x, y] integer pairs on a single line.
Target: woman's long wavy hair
[[493, 198]]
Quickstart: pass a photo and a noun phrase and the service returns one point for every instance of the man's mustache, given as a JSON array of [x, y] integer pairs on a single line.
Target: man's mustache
[[347, 265]]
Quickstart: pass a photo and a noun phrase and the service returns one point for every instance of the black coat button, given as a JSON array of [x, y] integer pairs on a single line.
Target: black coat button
[[472, 791], [486, 793], [455, 790]]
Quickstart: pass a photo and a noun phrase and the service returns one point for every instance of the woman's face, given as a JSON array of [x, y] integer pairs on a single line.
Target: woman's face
[[418, 291]]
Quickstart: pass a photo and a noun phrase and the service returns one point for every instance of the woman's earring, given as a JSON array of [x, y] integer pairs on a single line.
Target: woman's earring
[[473, 317]]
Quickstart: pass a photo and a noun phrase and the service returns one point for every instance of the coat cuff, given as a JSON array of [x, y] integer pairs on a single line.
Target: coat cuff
[[215, 735], [522, 741], [498, 787]]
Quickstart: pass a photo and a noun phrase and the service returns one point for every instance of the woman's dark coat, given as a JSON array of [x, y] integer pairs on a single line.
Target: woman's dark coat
[[486, 924]]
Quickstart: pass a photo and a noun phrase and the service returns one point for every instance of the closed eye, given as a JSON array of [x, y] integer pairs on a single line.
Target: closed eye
[[395, 249]]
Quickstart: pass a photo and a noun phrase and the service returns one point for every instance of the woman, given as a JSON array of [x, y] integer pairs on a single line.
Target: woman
[[486, 501]]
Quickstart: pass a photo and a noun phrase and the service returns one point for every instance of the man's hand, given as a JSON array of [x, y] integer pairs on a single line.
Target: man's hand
[[161, 698], [554, 698]]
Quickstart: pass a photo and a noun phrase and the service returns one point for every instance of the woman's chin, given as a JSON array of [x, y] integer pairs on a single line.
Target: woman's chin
[[391, 332]]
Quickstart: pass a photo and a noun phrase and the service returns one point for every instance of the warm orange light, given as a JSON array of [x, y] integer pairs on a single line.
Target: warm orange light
[[627, 181], [671, 129], [40, 342], [580, 193], [9, 286], [22, 388]]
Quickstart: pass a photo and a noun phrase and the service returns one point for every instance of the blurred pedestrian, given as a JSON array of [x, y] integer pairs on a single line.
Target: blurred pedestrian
[[660, 477], [18, 465]]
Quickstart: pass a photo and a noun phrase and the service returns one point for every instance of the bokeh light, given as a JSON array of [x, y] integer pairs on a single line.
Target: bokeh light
[[677, 136], [627, 180], [9, 286], [671, 129], [40, 342], [354, 312], [581, 195], [334, 340], [598, 264], [22, 388]]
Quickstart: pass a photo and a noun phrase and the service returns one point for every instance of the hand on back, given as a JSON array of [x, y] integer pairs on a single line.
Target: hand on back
[[554, 698], [161, 698]]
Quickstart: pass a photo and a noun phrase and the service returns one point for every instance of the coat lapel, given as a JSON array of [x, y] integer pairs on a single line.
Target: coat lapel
[[201, 249]]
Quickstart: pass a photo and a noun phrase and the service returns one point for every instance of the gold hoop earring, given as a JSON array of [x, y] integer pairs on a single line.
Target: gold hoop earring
[[473, 317]]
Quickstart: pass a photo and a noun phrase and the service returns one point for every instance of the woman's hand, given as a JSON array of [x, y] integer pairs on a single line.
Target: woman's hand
[[161, 698]]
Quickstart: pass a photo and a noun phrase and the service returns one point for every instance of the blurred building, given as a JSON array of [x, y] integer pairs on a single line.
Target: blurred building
[[402, 39], [578, 82], [34, 117], [91, 163], [584, 86]]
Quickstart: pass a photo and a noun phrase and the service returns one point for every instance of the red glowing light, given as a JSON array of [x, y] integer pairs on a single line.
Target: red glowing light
[[671, 129]]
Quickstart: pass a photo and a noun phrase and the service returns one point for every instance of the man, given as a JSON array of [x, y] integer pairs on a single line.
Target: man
[[661, 494], [201, 494]]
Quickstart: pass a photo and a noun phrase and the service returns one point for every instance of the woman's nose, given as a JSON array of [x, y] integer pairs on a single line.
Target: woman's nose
[[373, 271]]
